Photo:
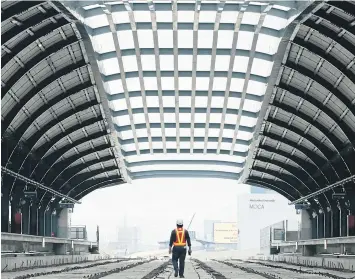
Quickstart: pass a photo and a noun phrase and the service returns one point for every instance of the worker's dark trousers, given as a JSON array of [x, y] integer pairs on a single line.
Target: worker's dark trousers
[[179, 254]]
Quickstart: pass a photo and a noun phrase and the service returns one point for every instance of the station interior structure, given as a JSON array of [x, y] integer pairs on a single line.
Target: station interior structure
[[100, 93]]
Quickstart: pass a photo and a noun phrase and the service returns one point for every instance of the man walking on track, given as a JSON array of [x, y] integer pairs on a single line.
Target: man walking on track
[[178, 238]]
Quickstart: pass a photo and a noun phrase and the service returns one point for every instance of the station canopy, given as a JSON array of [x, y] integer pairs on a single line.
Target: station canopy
[[99, 93], [185, 80]]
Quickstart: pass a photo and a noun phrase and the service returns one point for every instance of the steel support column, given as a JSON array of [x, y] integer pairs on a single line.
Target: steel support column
[[25, 210], [33, 219], [4, 212]]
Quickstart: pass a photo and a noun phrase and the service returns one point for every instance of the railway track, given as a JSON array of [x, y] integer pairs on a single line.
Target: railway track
[[194, 269]]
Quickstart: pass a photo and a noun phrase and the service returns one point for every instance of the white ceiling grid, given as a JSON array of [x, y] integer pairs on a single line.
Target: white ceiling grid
[[186, 79]]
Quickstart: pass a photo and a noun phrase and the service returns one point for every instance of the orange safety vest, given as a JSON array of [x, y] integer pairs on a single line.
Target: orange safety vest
[[180, 237]]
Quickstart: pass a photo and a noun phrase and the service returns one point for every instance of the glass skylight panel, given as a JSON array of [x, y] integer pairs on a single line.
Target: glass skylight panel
[[216, 118], [261, 67], [155, 132], [237, 85], [113, 86], [157, 145], [185, 38], [203, 63], [169, 101], [241, 147], [139, 118], [250, 18], [143, 145], [222, 63], [198, 132], [198, 144], [126, 134], [217, 101], [229, 16], [252, 106], [225, 39], [219, 83], [185, 62], [185, 132], [136, 102], [256, 87], [213, 132], [145, 38], [185, 117], [164, 16], [212, 145], [202, 83], [201, 101], [231, 118], [171, 144], [142, 133], [248, 121], [123, 120], [154, 117], [117, 105], [245, 40], [165, 38], [274, 22], [129, 147], [170, 132], [169, 118], [167, 83], [186, 16], [184, 144], [166, 62], [200, 117], [130, 63], [125, 39], [240, 64], [148, 62], [226, 146], [267, 44], [207, 16], [109, 66], [185, 101], [228, 133], [150, 83], [152, 101], [142, 16], [103, 43], [185, 83], [120, 17], [133, 84], [207, 38], [96, 21], [244, 135]]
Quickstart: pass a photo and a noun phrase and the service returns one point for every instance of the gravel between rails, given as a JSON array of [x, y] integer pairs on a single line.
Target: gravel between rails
[[336, 274], [274, 272], [57, 271]]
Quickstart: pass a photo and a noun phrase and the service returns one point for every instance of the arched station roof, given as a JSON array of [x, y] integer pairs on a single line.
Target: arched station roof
[[95, 94], [53, 126], [185, 79], [307, 136]]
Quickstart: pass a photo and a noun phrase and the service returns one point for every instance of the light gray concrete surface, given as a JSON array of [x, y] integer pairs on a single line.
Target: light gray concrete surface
[[313, 269], [12, 274], [13, 263], [334, 263]]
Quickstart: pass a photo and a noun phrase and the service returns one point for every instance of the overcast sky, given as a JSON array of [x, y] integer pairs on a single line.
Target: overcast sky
[[154, 205]]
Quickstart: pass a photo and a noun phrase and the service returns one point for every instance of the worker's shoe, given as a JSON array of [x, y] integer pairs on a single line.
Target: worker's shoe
[[182, 276], [176, 274]]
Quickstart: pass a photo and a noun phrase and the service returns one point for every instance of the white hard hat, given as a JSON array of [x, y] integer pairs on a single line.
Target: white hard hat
[[179, 222]]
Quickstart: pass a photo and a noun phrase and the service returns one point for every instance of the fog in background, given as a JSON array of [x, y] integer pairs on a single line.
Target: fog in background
[[153, 205]]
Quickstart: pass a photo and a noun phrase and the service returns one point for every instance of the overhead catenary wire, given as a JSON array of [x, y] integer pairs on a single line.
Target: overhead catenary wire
[[37, 184]]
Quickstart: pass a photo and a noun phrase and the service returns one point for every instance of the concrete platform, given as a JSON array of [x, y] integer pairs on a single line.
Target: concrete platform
[[25, 243]]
